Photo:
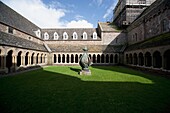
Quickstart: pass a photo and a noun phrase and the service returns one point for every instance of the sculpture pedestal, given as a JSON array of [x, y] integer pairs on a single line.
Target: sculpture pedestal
[[85, 72]]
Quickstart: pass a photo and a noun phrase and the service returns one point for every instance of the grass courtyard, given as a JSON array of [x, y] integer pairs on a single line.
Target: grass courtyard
[[59, 89]]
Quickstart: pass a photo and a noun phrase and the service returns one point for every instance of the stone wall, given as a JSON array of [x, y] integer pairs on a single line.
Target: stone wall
[[153, 22]]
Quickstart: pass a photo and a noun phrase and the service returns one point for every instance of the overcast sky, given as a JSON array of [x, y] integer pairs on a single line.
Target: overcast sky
[[64, 13]]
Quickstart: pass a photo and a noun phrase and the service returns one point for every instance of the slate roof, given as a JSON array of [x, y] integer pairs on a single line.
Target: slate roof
[[160, 40], [91, 48], [11, 40], [11, 18], [70, 32], [107, 27]]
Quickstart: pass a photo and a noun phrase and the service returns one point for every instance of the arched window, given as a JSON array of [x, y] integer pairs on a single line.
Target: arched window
[[46, 36], [75, 36], [95, 35], [56, 36], [65, 36], [165, 25], [38, 33], [84, 36]]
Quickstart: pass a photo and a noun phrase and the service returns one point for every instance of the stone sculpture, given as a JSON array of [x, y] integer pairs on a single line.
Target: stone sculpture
[[85, 62]]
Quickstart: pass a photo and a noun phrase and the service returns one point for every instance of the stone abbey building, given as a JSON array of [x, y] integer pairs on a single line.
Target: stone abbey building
[[144, 43]]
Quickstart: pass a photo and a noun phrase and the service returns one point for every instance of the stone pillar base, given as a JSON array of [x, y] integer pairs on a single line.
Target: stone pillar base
[[85, 72]]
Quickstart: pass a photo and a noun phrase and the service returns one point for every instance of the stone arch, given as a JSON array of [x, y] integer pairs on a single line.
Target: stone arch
[[148, 59], [32, 58], [0, 58], [116, 58], [26, 58], [135, 58], [90, 56], [107, 58], [167, 59], [72, 58], [37, 58], [19, 57], [76, 58], [63, 58], [141, 59], [111, 58], [127, 59], [55, 58], [45, 57], [130, 58], [59, 58], [102, 58], [98, 58], [157, 59], [94, 58], [41, 59], [68, 58], [9, 60]]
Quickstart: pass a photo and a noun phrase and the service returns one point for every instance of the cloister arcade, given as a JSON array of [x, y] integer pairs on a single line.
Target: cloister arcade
[[96, 58], [150, 58], [12, 59]]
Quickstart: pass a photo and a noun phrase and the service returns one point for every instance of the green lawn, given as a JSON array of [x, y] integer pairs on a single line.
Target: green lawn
[[111, 89]]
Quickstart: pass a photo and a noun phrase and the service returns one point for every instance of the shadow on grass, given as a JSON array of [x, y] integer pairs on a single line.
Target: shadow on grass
[[75, 69], [49, 92]]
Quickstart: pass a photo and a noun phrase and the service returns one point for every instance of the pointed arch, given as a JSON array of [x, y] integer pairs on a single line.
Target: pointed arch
[[46, 36], [56, 36], [84, 35], [94, 35], [65, 36], [75, 36]]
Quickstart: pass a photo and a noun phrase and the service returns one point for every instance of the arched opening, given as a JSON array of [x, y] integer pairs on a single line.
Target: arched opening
[[63, 58], [26, 58], [41, 58], [0, 60], [55, 58], [94, 58], [72, 58], [32, 58], [68, 58], [9, 60], [59, 58], [37, 58], [116, 58], [90, 56], [111, 58], [107, 58], [130, 59], [167, 60], [157, 59], [45, 58], [98, 58], [19, 59], [127, 59], [148, 59], [102, 58], [135, 57], [141, 59], [76, 58]]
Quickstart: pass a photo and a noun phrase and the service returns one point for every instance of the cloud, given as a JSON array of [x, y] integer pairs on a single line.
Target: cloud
[[79, 24], [109, 11], [79, 17], [98, 2], [43, 15]]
